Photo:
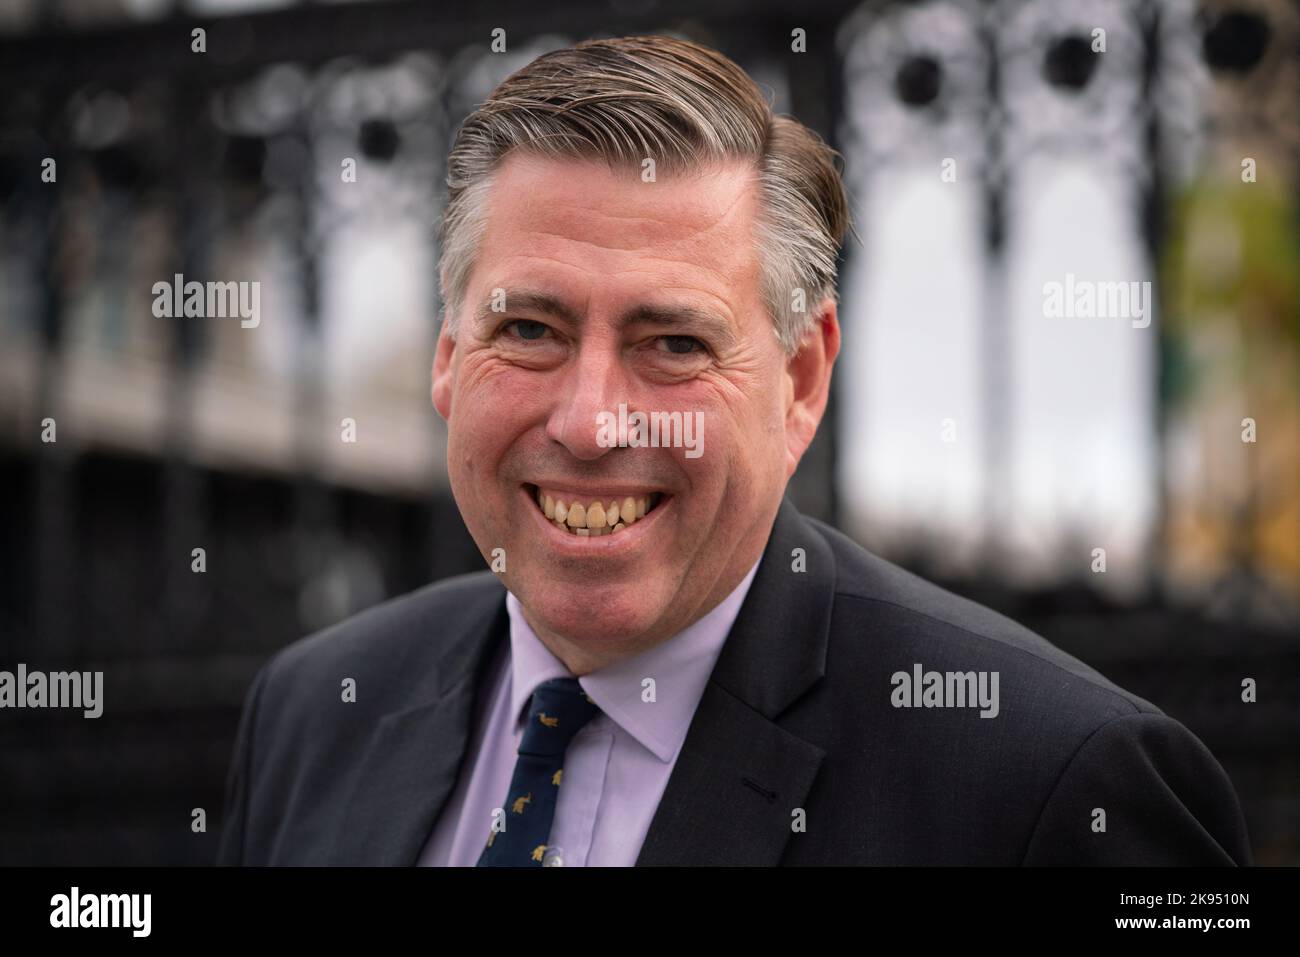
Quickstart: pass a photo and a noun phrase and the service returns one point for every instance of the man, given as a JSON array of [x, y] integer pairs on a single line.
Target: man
[[666, 663]]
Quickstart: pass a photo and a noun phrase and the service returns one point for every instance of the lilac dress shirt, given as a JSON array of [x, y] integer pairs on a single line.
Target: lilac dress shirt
[[616, 767]]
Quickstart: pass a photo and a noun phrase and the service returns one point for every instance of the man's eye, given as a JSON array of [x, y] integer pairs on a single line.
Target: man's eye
[[528, 329], [681, 345]]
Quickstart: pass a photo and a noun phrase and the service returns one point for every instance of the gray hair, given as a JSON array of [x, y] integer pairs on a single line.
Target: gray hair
[[682, 104]]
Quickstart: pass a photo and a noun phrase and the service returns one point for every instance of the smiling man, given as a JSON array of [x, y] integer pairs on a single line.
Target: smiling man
[[666, 663]]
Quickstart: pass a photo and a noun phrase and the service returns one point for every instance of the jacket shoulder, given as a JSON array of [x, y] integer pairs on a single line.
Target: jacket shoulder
[[1023, 787], [957, 634], [289, 778]]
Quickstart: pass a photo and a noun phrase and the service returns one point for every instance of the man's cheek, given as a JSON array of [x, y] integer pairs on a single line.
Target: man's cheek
[[493, 417]]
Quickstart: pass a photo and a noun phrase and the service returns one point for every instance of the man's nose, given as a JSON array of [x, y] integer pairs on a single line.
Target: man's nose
[[594, 382]]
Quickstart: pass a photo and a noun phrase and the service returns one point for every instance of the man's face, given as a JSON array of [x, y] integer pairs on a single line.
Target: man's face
[[612, 291]]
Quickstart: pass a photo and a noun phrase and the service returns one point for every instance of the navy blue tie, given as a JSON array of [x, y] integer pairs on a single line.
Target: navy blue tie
[[559, 710]]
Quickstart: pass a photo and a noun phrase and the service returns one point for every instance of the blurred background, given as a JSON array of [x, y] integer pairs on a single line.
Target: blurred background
[[991, 148]]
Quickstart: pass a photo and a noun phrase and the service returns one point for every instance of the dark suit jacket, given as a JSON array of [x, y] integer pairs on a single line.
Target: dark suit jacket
[[797, 714]]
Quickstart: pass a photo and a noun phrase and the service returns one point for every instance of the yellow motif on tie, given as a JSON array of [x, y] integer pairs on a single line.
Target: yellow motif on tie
[[492, 837], [518, 806], [555, 778], [538, 851], [549, 722]]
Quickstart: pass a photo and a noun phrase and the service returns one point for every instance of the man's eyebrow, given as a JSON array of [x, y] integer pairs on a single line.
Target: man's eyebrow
[[529, 301], [663, 315], [679, 315]]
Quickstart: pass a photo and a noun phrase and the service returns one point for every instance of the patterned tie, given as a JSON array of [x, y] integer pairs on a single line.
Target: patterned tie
[[558, 711]]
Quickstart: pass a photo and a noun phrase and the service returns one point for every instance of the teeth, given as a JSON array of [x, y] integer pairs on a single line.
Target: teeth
[[598, 518]]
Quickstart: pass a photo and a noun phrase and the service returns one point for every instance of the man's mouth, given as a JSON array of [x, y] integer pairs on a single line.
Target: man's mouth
[[588, 515]]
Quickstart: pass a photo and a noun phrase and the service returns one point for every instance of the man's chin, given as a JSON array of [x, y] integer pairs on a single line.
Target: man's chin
[[600, 619]]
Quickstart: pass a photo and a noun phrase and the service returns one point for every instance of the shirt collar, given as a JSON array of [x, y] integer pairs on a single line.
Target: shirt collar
[[679, 666]]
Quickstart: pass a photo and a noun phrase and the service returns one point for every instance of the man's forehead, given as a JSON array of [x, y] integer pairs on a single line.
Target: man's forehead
[[621, 205], [567, 227]]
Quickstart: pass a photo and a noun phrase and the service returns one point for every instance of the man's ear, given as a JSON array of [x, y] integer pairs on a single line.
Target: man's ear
[[442, 374], [808, 382]]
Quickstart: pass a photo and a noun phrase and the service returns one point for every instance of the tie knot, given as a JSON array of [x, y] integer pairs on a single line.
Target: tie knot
[[558, 711]]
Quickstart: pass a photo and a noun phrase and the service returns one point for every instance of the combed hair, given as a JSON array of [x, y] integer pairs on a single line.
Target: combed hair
[[683, 105]]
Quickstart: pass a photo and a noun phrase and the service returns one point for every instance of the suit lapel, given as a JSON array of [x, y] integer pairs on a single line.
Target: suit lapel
[[740, 775], [414, 754]]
